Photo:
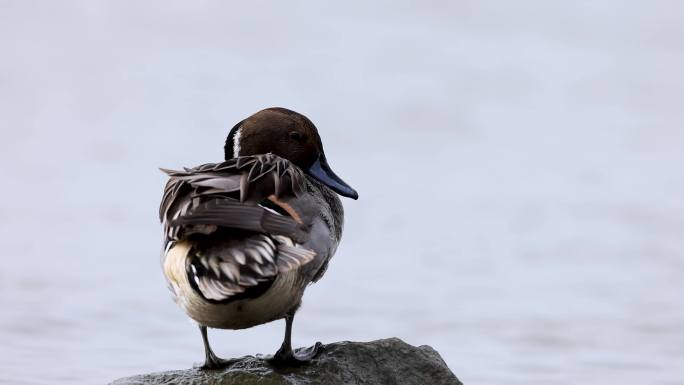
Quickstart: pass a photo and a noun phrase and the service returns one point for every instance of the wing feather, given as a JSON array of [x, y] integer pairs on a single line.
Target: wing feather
[[226, 195]]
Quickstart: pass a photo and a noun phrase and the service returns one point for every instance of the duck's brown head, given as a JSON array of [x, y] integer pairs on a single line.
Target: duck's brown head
[[289, 135]]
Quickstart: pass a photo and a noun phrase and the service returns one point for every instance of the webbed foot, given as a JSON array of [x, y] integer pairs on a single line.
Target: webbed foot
[[213, 363], [287, 357]]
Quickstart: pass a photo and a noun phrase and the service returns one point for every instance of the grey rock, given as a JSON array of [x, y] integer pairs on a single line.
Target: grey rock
[[383, 362]]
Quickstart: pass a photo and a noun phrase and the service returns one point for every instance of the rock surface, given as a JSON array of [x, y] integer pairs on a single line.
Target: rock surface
[[383, 362]]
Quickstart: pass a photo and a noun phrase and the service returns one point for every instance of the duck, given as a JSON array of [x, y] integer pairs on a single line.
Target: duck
[[245, 237]]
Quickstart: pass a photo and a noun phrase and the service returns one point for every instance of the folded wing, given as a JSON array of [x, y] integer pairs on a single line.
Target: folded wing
[[241, 240]]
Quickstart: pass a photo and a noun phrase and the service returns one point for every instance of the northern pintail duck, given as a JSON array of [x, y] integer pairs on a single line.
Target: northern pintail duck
[[244, 238]]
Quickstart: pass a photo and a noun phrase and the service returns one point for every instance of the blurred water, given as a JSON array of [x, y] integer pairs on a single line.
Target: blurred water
[[519, 167]]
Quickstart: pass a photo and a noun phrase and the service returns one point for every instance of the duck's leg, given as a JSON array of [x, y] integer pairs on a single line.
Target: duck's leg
[[285, 355], [211, 361]]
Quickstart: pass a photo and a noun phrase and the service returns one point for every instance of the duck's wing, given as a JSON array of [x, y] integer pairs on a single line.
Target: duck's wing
[[231, 268], [231, 194], [243, 237]]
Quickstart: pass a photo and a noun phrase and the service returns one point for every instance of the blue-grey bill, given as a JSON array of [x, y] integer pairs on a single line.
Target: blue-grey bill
[[324, 174]]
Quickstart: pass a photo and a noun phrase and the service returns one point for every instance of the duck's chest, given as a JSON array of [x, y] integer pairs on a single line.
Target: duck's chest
[[281, 297]]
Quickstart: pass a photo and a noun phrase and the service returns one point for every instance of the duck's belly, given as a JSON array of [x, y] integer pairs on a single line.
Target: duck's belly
[[281, 297]]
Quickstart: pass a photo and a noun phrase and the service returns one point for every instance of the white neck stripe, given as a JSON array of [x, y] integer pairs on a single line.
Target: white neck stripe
[[236, 143]]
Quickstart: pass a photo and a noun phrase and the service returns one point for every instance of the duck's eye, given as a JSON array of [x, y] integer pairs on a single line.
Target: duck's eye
[[294, 135]]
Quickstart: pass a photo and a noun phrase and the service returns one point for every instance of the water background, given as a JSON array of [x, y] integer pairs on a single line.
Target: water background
[[519, 166]]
